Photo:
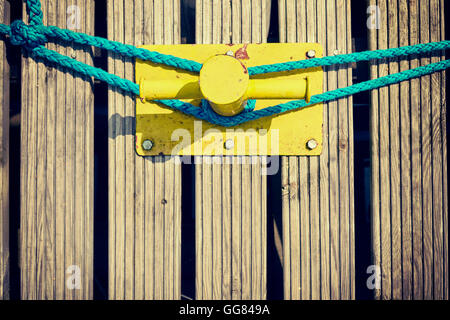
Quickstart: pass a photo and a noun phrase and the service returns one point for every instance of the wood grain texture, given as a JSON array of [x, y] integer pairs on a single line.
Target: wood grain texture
[[4, 159], [57, 169], [409, 158], [144, 193], [230, 204], [317, 192]]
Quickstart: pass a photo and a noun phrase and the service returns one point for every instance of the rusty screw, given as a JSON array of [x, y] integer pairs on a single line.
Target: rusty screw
[[147, 145], [311, 53], [312, 144]]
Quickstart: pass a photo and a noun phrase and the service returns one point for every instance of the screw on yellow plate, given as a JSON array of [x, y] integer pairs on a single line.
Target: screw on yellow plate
[[225, 83]]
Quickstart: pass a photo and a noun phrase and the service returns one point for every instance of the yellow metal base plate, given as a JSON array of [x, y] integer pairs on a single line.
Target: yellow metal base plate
[[174, 133]]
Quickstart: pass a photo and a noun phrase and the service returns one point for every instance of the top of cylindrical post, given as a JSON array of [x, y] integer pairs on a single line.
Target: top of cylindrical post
[[223, 82]]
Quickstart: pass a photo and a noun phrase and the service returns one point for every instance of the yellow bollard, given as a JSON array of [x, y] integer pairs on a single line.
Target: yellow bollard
[[225, 83], [169, 89], [279, 89]]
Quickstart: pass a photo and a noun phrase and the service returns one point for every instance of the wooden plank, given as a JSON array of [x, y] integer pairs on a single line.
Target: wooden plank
[[4, 159], [409, 160], [230, 199], [317, 192], [57, 160], [144, 193]]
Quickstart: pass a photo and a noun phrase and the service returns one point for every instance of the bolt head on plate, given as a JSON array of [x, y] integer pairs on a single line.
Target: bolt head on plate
[[147, 145], [312, 144], [230, 53], [311, 53], [229, 144]]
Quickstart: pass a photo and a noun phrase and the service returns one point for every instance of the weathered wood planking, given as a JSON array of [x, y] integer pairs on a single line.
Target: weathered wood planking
[[409, 158], [144, 193], [230, 204], [317, 192], [4, 160], [57, 168]]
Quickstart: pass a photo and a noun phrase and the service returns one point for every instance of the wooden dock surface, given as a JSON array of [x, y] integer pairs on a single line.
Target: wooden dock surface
[[318, 203], [230, 198], [409, 158], [57, 170], [144, 193], [315, 237]]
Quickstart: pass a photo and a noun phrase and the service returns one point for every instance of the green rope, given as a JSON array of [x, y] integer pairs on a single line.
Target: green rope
[[86, 70], [34, 36], [417, 49], [207, 114], [35, 12]]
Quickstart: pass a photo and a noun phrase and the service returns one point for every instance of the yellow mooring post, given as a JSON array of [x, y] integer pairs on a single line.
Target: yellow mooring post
[[225, 83]]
